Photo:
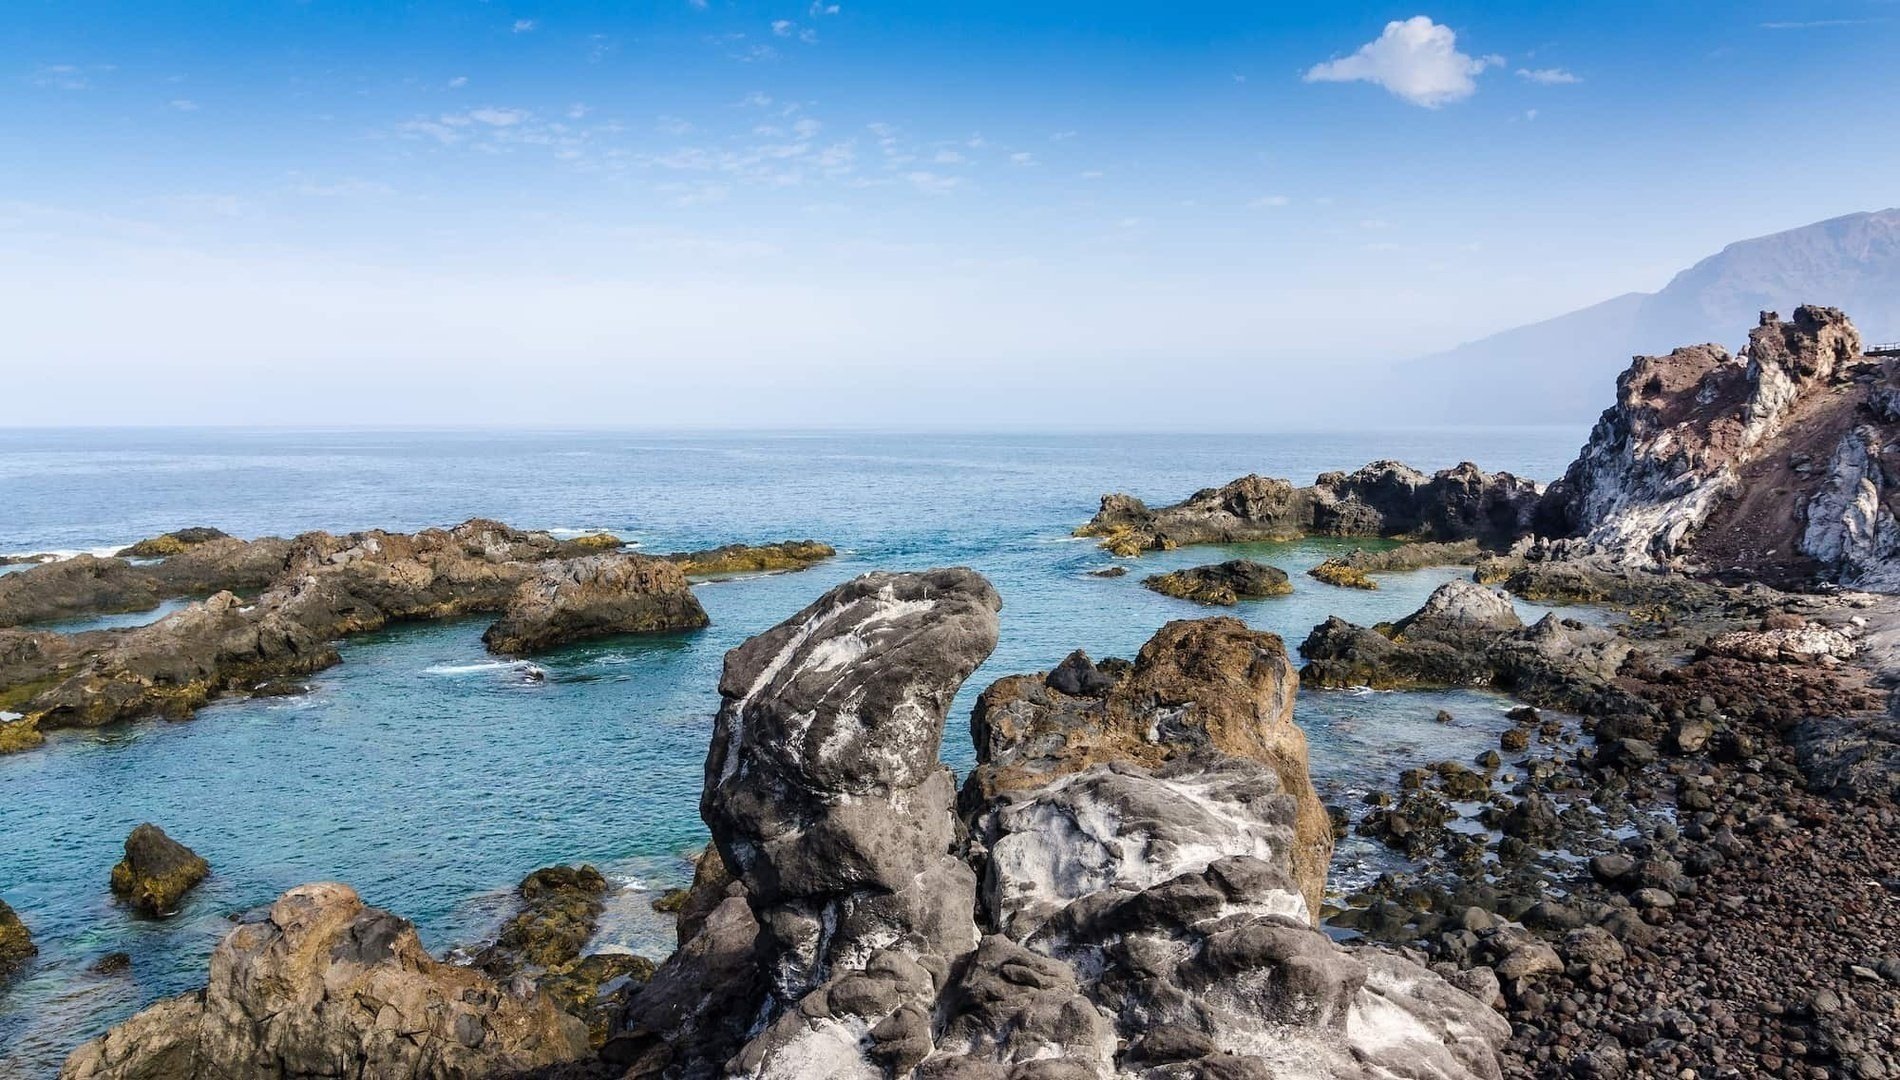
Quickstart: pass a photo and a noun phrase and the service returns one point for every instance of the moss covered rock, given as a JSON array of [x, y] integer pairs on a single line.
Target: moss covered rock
[[1225, 583], [156, 872], [753, 559], [172, 543], [1343, 574], [16, 945]]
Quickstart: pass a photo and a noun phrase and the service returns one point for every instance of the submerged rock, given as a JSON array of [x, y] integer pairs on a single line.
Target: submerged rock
[[322, 985], [1342, 573], [16, 944], [156, 872], [752, 559], [560, 907], [595, 596], [1225, 583]]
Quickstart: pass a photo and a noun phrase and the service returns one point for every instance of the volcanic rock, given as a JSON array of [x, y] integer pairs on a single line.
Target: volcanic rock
[[1225, 583], [323, 986], [156, 872], [595, 596]]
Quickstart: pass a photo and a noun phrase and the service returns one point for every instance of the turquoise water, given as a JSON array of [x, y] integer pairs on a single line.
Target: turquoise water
[[432, 777]]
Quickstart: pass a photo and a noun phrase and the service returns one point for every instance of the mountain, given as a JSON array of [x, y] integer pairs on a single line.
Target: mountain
[[1563, 370]]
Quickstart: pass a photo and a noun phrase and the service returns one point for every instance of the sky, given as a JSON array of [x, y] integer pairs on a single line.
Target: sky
[[688, 213]]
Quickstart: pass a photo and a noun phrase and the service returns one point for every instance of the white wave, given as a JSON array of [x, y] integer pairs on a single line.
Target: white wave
[[565, 532], [629, 882], [62, 554], [470, 669]]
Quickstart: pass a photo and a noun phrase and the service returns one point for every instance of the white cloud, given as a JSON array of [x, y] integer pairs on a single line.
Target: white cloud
[[185, 105], [783, 27], [1270, 201], [495, 117], [697, 4], [1417, 60], [819, 9], [949, 157], [933, 183], [806, 127], [458, 82], [577, 111], [1548, 76], [523, 26], [1530, 114], [60, 77], [1062, 136], [673, 125], [1024, 158], [756, 100]]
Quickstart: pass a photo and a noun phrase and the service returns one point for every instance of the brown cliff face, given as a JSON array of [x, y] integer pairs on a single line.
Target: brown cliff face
[[1772, 465]]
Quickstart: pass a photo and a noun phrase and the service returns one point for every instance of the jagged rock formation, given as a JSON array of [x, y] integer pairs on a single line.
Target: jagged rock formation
[[1207, 684], [1139, 916], [156, 872], [16, 944], [320, 587], [753, 558], [595, 596], [1385, 498], [323, 986], [1225, 584], [1772, 464]]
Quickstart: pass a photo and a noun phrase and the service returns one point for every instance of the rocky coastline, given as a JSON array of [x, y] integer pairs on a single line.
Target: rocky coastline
[[272, 609], [1682, 859]]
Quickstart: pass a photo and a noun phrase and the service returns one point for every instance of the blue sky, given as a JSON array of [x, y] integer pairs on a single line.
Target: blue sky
[[735, 213]]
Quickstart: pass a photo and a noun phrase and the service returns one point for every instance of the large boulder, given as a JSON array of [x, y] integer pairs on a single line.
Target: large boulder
[[1207, 684], [156, 872], [323, 986], [823, 789], [83, 585], [595, 596]]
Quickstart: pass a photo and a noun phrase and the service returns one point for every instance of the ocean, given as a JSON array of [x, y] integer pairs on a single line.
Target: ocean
[[432, 776]]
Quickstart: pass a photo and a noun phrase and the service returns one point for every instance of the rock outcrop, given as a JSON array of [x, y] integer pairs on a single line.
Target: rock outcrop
[[156, 872], [595, 596], [1773, 465], [1385, 498], [16, 944], [753, 558], [546, 941], [172, 543], [323, 986], [320, 587], [1468, 635], [1207, 684], [1224, 584], [1140, 915]]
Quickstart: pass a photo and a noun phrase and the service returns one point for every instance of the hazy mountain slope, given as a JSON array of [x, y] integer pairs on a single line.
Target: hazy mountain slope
[[1564, 369]]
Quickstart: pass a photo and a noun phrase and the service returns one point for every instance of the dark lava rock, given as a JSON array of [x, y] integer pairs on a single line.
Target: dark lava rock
[[1224, 584], [16, 945], [156, 872]]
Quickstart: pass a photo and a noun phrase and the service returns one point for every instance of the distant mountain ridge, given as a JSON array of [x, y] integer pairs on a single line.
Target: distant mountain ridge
[[1563, 370]]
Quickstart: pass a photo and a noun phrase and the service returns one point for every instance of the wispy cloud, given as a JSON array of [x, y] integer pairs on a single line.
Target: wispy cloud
[[1818, 24], [184, 105], [458, 82], [523, 26], [65, 76], [1549, 76], [1270, 201], [1416, 60]]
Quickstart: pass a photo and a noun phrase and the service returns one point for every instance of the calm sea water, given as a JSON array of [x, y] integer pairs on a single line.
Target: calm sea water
[[432, 777]]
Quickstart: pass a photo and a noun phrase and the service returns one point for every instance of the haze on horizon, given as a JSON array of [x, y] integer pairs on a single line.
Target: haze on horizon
[[805, 214]]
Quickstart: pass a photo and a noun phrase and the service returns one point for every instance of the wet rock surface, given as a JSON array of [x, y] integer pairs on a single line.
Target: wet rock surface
[[156, 872], [753, 558], [595, 596], [16, 944], [1385, 498], [1222, 584], [320, 985]]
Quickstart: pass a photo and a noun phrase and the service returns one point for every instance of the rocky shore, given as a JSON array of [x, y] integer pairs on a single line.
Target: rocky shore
[[274, 608]]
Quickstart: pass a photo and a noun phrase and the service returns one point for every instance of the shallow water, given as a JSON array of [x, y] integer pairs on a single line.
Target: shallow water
[[433, 777]]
